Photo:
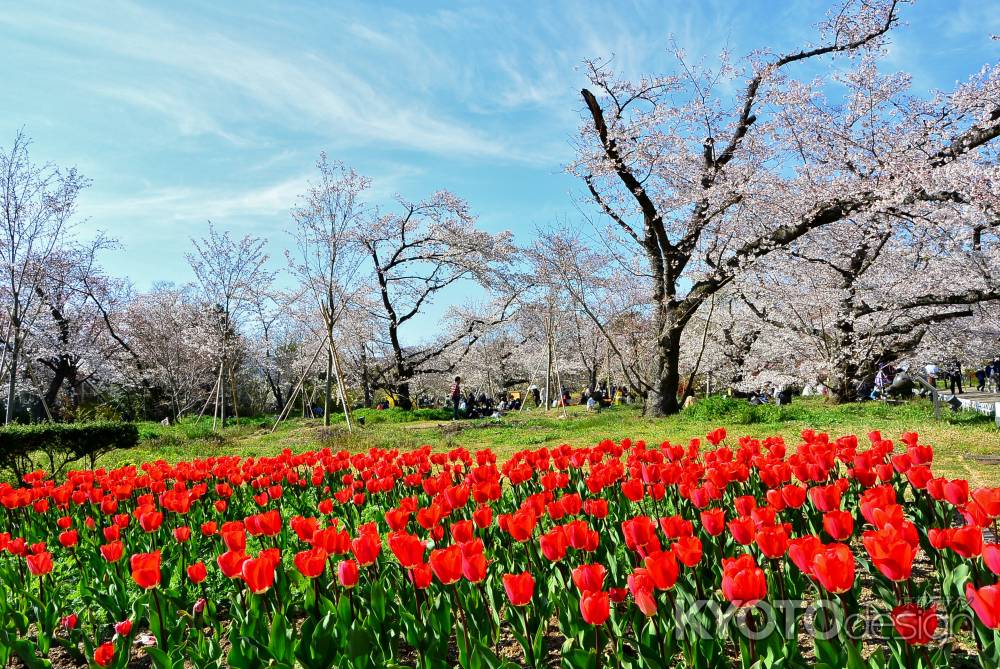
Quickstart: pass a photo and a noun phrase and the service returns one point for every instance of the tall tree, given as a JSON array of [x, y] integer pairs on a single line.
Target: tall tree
[[702, 184], [36, 205], [229, 272], [415, 255], [329, 257]]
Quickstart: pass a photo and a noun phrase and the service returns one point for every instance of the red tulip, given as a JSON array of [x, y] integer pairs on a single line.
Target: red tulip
[[68, 538], [521, 524], [596, 508], [742, 530], [113, 551], [519, 587], [258, 573], [991, 557], [231, 563], [743, 582], [348, 573], [310, 563], [150, 521], [793, 495], [640, 534], [915, 625], [986, 603], [966, 540], [447, 564], [366, 548], [197, 572], [595, 607], [39, 564], [553, 544], [234, 536], [833, 567], [483, 517], [589, 577], [462, 531], [104, 654], [408, 549], [956, 492], [420, 576], [716, 436], [890, 553], [744, 505], [182, 534], [772, 541], [688, 550], [713, 521], [662, 567], [124, 628], [825, 498], [838, 524], [633, 490], [474, 566], [642, 587], [146, 569], [397, 519], [802, 549]]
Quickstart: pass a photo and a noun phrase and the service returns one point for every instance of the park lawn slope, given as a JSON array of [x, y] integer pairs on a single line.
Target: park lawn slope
[[957, 438]]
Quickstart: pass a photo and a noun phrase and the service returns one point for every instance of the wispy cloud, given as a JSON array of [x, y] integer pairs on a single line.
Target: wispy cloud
[[307, 89]]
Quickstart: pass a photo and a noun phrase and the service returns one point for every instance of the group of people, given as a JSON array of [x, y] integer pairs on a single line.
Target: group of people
[[987, 376], [767, 394], [471, 405]]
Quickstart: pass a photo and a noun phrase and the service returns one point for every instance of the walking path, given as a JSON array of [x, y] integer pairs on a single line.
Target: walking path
[[984, 402]]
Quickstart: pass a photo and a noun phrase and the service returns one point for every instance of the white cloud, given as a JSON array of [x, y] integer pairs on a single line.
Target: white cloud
[[299, 89]]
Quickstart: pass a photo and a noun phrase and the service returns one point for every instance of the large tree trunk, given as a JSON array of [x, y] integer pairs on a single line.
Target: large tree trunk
[[59, 373], [15, 351], [328, 389], [366, 380], [847, 377], [662, 399], [403, 400]]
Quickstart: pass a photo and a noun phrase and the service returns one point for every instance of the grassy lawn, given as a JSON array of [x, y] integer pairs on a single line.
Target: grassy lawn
[[955, 437]]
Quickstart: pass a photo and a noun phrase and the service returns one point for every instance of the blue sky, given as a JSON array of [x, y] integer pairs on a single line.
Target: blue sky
[[182, 112]]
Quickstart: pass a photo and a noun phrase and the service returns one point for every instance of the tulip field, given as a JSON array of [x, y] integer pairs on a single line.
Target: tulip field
[[826, 552]]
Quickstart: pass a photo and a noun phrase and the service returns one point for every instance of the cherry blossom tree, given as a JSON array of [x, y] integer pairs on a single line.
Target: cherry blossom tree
[[74, 339], [413, 256], [703, 185], [175, 340], [328, 256], [229, 273], [37, 203], [607, 297]]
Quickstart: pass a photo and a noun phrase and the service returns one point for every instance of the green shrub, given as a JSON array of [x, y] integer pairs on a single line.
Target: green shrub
[[395, 415], [736, 411], [61, 443], [717, 408]]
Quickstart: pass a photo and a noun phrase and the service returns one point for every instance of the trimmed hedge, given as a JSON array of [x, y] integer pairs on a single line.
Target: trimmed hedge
[[62, 443]]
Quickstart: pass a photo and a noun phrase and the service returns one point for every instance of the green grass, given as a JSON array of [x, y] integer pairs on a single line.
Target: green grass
[[955, 436]]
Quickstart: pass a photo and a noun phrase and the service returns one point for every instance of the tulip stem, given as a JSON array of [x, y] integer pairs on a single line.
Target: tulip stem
[[461, 621], [420, 622], [159, 615], [597, 647], [529, 651]]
